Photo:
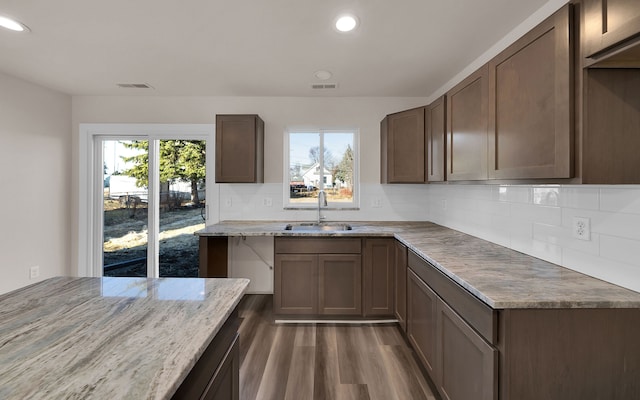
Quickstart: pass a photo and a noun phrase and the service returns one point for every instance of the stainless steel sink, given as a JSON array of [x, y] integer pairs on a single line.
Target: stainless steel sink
[[312, 226]]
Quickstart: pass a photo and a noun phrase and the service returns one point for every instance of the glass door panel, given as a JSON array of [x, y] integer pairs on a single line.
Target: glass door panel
[[125, 210], [181, 201]]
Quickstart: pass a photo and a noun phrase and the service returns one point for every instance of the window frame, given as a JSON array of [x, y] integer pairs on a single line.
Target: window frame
[[352, 205]]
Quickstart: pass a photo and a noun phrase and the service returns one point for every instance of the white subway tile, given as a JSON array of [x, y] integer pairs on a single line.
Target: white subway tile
[[547, 251], [620, 200], [534, 213], [621, 274], [549, 233], [580, 197], [546, 195], [480, 192], [519, 194], [620, 249]]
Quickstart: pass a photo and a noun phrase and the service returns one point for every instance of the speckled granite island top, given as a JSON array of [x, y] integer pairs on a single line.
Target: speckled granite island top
[[500, 277], [108, 338]]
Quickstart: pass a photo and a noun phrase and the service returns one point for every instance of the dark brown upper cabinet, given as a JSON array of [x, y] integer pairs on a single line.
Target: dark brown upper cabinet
[[239, 149], [467, 128], [608, 23], [611, 126], [530, 104], [402, 147], [436, 136]]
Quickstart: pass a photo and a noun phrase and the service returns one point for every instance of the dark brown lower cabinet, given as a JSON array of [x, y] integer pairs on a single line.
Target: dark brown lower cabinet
[[225, 384], [467, 365], [400, 283], [378, 283], [474, 352], [295, 284], [318, 276], [340, 289], [421, 320], [213, 257], [216, 375], [460, 362]]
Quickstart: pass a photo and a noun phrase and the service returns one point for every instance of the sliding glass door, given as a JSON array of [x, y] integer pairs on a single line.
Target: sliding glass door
[[153, 200]]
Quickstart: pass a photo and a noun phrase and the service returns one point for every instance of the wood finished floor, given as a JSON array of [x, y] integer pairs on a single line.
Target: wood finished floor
[[323, 361]]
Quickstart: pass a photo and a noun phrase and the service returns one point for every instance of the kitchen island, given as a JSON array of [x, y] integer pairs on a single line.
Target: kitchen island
[[488, 322], [113, 338]]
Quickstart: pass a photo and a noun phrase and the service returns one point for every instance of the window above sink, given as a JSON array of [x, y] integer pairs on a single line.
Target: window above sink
[[321, 159]]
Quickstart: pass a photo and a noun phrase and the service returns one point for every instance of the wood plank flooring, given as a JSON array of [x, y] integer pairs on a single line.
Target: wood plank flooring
[[323, 361]]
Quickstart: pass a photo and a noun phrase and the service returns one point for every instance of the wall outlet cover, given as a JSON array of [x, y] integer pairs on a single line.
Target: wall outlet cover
[[581, 228]]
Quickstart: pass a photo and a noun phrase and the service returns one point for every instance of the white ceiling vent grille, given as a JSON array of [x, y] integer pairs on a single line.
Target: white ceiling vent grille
[[324, 86], [134, 85]]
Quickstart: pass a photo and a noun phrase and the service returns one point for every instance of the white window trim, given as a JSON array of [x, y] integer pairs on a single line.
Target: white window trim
[[355, 204], [90, 181]]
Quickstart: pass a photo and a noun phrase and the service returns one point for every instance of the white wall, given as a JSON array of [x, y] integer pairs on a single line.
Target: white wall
[[278, 114], [35, 160]]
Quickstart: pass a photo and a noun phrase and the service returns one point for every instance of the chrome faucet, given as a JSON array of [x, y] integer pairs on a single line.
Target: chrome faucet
[[322, 202]]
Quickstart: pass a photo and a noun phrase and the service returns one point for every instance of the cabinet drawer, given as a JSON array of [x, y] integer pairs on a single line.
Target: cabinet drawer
[[314, 245], [481, 317]]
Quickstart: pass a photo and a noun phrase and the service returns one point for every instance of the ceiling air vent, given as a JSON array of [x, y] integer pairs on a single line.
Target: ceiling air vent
[[324, 86], [134, 85]]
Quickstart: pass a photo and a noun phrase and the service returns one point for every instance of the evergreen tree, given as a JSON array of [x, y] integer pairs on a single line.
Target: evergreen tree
[[344, 170], [182, 160]]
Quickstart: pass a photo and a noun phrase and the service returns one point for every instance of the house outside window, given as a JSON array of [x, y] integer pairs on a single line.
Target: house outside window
[[318, 160]]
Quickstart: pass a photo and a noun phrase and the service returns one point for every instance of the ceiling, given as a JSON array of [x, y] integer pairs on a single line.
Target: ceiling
[[251, 47]]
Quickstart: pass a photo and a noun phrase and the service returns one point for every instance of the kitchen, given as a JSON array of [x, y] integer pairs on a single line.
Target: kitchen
[[521, 217]]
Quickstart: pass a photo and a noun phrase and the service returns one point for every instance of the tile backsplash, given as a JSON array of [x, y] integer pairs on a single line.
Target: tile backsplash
[[536, 220]]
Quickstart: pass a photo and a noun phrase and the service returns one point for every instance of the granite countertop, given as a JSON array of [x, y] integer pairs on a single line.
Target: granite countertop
[[109, 338], [500, 277]]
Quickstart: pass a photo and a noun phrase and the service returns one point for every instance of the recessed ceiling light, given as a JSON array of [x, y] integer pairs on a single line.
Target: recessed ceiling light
[[323, 75], [12, 24], [346, 23]]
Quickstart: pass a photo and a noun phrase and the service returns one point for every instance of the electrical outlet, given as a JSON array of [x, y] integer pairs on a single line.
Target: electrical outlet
[[228, 203], [444, 204], [581, 228], [376, 202], [34, 272], [267, 202]]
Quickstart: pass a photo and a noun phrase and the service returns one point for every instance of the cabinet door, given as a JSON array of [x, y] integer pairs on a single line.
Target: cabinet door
[[436, 137], [467, 365], [609, 22], [405, 147], [611, 136], [239, 149], [295, 284], [379, 259], [400, 273], [421, 320], [530, 108], [467, 128], [225, 384], [340, 284]]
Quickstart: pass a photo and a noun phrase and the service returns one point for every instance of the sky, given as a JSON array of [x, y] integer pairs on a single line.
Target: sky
[[300, 143]]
